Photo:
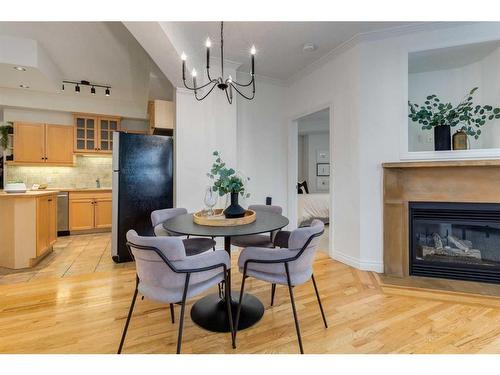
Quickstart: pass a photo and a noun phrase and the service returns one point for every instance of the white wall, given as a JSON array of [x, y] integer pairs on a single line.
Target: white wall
[[34, 115], [201, 128], [303, 172], [337, 84], [262, 143], [383, 116]]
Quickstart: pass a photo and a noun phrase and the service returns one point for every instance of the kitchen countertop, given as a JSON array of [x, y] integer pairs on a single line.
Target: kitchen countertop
[[28, 194], [81, 189]]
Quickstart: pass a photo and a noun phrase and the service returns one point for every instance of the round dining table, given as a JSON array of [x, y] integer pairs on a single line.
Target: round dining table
[[210, 312]]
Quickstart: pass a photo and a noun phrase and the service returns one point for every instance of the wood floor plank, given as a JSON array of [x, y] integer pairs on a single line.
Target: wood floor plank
[[77, 302]]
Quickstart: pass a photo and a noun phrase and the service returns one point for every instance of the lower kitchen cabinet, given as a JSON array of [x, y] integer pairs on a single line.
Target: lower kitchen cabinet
[[46, 223], [31, 231], [89, 210]]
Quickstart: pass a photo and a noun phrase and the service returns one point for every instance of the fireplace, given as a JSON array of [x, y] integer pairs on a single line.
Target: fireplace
[[455, 240]]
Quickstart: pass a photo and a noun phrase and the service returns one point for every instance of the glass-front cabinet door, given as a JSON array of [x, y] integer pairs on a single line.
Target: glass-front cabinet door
[[107, 126], [94, 134], [85, 134]]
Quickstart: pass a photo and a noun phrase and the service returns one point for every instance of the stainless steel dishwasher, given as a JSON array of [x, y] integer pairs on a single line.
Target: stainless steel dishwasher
[[63, 213]]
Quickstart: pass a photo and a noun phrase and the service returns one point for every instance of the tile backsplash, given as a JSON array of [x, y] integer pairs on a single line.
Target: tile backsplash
[[82, 175]]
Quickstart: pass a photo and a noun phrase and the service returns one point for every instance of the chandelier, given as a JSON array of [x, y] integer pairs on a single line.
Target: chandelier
[[225, 84]]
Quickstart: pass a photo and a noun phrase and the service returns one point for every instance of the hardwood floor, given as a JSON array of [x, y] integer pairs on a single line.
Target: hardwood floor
[[84, 312]]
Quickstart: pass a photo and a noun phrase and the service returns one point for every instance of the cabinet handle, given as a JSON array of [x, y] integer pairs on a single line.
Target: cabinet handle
[[50, 200]]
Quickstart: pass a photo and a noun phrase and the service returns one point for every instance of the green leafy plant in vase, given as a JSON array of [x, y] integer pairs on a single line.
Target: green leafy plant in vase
[[228, 181], [5, 128], [443, 116]]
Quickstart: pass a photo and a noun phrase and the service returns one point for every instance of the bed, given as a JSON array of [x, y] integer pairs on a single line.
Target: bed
[[313, 206]]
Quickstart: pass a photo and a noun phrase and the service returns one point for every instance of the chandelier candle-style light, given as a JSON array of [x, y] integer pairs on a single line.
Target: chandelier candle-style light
[[225, 84]]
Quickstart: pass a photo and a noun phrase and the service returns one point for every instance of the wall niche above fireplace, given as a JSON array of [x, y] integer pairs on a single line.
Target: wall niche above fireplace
[[455, 240]]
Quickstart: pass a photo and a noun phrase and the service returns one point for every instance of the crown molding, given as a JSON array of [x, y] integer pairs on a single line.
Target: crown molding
[[371, 36]]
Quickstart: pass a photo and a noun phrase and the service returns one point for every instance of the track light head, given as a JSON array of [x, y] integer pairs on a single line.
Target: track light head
[[92, 90], [108, 92], [77, 89]]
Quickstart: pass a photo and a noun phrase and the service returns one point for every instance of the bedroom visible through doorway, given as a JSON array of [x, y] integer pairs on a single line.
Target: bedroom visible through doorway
[[313, 170]]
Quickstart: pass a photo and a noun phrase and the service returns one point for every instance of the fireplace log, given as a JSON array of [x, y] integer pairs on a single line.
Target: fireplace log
[[459, 244], [452, 252]]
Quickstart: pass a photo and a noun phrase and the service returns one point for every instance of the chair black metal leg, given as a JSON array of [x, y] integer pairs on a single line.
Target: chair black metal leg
[[128, 320], [319, 301], [183, 307], [172, 314], [238, 311], [273, 291], [229, 312], [297, 328]]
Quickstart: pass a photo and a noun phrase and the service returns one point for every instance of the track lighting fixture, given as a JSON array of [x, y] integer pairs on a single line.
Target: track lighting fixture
[[92, 86]]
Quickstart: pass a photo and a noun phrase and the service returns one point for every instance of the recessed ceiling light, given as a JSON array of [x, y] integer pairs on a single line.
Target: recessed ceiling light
[[309, 47], [20, 68], [24, 86]]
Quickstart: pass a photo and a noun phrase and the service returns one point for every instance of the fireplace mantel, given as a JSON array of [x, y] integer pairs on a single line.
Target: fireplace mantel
[[474, 181], [443, 164]]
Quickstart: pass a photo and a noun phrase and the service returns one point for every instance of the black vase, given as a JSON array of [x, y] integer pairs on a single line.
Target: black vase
[[442, 138], [234, 210]]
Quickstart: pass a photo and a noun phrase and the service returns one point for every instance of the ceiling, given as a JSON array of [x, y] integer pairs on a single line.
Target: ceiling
[[100, 52], [279, 45], [450, 57]]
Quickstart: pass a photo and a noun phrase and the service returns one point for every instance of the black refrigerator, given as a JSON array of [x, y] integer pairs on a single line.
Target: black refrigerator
[[142, 183]]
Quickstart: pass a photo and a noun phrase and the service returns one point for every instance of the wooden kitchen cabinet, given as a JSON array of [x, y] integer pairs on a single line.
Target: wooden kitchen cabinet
[[81, 214], [46, 224], [37, 143], [161, 114], [58, 144], [102, 213], [89, 210], [29, 142], [94, 133]]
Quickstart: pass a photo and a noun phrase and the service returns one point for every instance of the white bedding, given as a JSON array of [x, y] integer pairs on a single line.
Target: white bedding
[[313, 206]]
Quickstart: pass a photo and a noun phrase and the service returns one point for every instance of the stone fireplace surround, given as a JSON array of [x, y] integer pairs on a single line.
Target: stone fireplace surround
[[474, 181]]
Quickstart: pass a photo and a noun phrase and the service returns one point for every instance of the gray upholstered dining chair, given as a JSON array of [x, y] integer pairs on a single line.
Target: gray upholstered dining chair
[[164, 273], [193, 246], [291, 266], [258, 240]]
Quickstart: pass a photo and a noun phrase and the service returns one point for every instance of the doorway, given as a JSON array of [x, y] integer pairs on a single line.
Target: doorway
[[310, 182]]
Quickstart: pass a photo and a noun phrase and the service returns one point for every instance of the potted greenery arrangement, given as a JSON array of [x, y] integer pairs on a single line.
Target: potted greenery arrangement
[[443, 116], [5, 129], [228, 181]]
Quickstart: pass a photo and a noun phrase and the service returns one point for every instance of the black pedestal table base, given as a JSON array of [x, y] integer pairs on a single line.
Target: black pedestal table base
[[210, 312]]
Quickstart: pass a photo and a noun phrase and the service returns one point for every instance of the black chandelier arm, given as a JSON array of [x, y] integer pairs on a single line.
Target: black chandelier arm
[[213, 81], [244, 84], [246, 97], [208, 93]]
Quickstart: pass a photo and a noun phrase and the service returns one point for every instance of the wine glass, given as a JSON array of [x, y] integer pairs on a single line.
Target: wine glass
[[210, 200]]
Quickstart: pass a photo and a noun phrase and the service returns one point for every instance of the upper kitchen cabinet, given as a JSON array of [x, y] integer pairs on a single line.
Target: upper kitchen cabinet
[[36, 143], [94, 134], [161, 115]]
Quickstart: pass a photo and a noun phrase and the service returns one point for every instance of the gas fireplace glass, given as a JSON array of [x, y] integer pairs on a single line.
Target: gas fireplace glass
[[455, 240]]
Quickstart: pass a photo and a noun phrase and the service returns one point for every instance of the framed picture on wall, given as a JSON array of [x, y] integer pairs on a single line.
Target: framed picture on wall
[[323, 169], [322, 156]]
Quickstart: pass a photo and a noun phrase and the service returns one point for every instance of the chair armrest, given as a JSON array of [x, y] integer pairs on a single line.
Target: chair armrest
[[203, 262], [265, 255]]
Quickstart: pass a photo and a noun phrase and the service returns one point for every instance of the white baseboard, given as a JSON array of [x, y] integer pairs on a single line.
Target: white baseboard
[[356, 263]]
